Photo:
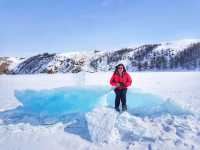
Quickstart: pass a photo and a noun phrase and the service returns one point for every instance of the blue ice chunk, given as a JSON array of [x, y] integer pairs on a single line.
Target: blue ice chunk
[[63, 104]]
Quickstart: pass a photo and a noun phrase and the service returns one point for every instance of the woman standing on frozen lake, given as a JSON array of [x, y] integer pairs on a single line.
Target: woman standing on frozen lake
[[120, 80]]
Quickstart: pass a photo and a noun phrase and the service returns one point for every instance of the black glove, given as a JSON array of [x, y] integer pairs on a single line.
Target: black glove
[[121, 83]]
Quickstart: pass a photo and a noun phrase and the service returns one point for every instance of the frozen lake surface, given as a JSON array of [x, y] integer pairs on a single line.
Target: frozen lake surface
[[75, 111]]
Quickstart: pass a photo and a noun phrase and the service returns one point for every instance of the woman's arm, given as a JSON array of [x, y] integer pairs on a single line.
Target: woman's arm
[[112, 81], [129, 80]]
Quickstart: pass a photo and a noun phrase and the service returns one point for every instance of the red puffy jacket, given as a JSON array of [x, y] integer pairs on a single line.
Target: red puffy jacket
[[125, 79]]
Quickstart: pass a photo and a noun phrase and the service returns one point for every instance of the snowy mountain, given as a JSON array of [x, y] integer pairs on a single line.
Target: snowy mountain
[[167, 56], [9, 63]]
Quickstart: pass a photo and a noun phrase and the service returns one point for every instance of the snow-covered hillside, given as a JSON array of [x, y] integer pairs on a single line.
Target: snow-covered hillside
[[166, 56], [177, 45], [9, 63]]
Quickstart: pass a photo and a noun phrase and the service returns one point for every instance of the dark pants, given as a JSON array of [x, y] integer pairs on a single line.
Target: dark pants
[[120, 96]]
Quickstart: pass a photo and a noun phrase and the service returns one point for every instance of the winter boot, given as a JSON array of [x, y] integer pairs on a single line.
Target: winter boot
[[124, 108], [117, 109]]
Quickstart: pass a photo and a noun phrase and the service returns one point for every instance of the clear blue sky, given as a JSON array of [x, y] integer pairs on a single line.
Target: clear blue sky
[[28, 27]]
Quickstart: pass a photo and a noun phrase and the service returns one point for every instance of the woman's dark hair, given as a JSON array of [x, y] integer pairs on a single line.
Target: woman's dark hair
[[116, 68]]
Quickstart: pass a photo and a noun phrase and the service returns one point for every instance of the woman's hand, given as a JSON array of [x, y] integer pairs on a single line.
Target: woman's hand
[[118, 85]]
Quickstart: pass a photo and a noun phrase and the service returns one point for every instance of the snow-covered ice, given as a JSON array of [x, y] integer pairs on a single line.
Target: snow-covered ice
[[75, 111]]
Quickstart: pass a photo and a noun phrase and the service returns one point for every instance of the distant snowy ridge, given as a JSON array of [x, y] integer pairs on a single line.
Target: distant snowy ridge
[[178, 45], [166, 56]]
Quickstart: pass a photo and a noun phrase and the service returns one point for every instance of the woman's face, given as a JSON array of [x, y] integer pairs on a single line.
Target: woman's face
[[120, 69]]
